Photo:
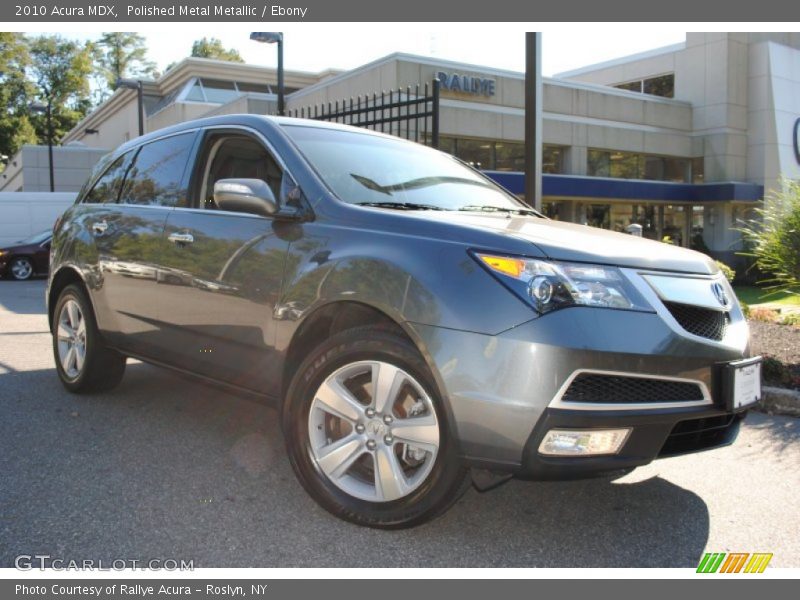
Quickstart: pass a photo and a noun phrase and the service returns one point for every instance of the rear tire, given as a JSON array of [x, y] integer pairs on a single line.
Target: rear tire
[[83, 362], [21, 268], [382, 459]]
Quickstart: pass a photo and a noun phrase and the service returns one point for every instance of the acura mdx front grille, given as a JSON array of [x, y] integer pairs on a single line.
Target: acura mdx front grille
[[699, 321]]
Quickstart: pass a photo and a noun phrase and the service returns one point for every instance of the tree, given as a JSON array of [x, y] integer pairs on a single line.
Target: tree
[[15, 127], [213, 48], [773, 238], [121, 54], [60, 70]]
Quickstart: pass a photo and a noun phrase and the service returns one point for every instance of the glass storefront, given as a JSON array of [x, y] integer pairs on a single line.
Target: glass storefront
[[677, 224], [491, 155], [631, 165]]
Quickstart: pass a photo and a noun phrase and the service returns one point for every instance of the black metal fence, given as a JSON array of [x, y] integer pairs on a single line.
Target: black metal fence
[[412, 113]]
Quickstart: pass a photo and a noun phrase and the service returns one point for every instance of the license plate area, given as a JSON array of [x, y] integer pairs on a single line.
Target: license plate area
[[741, 383]]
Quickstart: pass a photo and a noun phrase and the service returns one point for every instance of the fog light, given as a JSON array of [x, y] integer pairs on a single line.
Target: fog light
[[587, 442]]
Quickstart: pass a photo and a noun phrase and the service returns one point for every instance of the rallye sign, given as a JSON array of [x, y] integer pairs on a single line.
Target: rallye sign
[[467, 84]]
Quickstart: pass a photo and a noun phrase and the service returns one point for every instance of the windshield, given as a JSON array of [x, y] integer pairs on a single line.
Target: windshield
[[37, 238], [376, 171]]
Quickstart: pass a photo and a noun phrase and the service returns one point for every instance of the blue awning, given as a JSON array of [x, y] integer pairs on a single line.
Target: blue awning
[[601, 188]]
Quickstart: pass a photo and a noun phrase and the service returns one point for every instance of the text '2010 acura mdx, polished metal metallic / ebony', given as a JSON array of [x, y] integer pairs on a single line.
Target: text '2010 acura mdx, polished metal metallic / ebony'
[[413, 321]]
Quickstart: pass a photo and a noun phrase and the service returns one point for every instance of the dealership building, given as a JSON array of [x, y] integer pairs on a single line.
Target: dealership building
[[680, 141]]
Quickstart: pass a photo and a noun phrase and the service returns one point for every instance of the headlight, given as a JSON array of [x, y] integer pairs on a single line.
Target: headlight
[[550, 285]]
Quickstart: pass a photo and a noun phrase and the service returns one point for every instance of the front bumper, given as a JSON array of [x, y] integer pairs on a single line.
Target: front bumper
[[654, 434], [502, 391]]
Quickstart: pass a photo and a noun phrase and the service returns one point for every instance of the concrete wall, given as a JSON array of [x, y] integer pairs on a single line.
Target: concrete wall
[[178, 112], [30, 168], [23, 213]]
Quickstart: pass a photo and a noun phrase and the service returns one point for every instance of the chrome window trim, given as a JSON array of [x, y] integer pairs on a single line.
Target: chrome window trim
[[558, 402]]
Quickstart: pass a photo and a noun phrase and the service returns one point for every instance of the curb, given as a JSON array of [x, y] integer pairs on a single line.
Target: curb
[[780, 401]]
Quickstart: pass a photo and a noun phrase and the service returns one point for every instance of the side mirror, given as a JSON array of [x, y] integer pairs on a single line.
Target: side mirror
[[252, 196]]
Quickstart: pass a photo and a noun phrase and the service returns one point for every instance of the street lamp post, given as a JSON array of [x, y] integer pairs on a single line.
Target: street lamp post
[[47, 109], [135, 84], [274, 37]]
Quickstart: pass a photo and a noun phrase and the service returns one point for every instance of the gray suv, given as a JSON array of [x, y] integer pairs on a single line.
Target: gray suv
[[417, 326]]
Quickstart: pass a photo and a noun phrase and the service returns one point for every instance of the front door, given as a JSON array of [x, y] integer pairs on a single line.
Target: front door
[[222, 271]]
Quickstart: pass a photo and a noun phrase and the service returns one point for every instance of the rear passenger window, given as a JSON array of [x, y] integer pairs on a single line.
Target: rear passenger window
[[156, 177], [106, 189]]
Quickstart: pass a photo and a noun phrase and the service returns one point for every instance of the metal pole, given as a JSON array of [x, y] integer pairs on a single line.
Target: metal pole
[[533, 119], [435, 116], [50, 143], [140, 100], [281, 111]]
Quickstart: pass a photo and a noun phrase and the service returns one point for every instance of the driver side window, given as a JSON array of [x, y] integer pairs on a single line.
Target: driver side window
[[237, 156]]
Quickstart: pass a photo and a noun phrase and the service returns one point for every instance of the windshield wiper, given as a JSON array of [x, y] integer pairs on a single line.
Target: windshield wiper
[[400, 205], [501, 209]]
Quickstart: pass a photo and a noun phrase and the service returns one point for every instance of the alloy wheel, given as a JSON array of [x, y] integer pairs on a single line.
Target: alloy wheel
[[71, 339], [373, 431], [22, 268]]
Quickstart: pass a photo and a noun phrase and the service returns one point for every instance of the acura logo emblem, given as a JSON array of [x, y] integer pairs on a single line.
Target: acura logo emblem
[[720, 293]]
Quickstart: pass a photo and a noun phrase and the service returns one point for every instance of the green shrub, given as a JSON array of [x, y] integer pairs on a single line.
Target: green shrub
[[792, 318], [774, 370], [745, 309], [726, 270], [773, 238]]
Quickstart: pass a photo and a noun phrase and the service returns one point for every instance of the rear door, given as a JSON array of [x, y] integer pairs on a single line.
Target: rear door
[[222, 271], [130, 241]]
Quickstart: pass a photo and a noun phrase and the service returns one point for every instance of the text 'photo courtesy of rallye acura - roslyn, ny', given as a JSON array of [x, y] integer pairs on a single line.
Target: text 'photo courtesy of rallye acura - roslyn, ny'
[[418, 327]]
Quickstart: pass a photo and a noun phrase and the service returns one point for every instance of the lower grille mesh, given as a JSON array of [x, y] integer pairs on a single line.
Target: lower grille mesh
[[617, 389], [704, 322]]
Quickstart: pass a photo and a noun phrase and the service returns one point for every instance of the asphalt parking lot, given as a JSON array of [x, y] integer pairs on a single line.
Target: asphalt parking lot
[[165, 467]]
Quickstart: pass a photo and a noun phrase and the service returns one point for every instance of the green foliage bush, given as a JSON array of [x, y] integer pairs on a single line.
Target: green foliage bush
[[726, 270], [773, 238]]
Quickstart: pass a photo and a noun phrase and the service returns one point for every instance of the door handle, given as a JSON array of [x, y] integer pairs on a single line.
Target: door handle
[[181, 238], [100, 227]]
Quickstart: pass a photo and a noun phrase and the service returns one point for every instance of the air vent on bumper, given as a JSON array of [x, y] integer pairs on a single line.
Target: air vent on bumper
[[618, 389]]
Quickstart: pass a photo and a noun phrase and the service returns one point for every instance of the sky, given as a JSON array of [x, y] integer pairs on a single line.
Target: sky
[[318, 46]]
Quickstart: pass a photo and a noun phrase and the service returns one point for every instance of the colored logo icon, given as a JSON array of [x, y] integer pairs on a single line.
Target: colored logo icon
[[734, 562]]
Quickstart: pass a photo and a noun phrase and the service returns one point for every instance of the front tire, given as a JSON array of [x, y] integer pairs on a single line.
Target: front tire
[[367, 433], [83, 362]]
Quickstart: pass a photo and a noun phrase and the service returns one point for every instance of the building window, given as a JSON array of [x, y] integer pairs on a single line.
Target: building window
[[631, 86], [598, 163], [218, 91], [509, 156], [698, 170], [490, 155], [661, 85], [552, 159], [478, 153], [631, 165]]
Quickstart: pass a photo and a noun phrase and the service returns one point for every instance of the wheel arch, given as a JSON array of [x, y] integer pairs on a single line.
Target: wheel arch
[[65, 276]]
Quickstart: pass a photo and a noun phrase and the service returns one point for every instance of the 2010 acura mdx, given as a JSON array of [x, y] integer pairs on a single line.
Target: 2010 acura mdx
[[412, 320]]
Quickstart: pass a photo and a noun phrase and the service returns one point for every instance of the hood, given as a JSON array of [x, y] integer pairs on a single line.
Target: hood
[[563, 241]]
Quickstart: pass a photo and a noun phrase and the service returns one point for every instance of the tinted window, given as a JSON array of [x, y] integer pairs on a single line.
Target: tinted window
[[107, 187], [156, 177]]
